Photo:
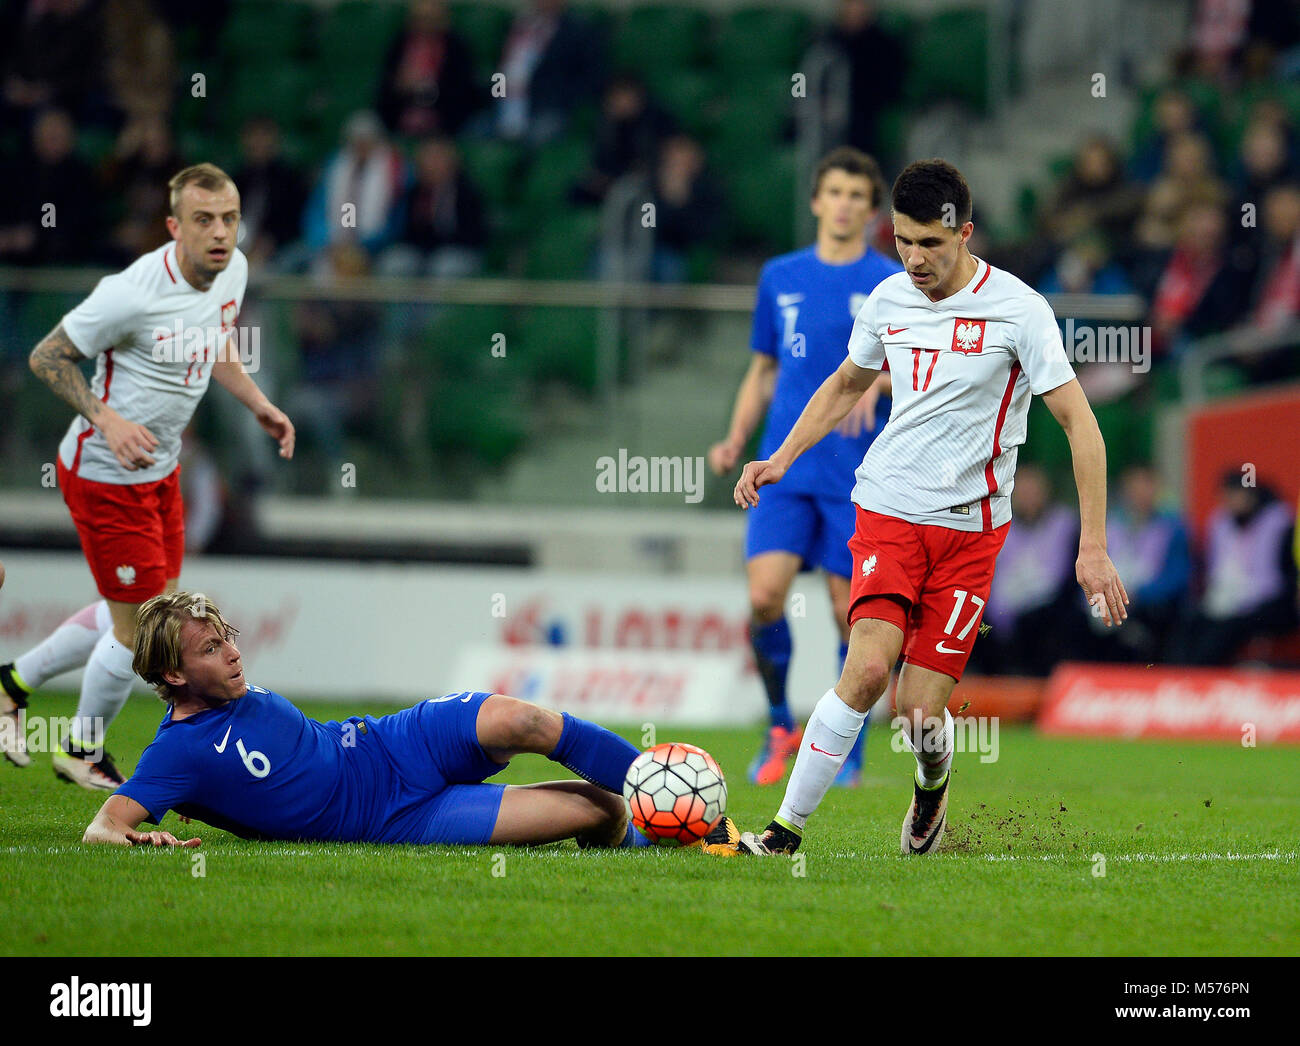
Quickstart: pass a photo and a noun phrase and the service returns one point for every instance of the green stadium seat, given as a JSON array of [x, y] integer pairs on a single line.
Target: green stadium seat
[[283, 91], [660, 37], [564, 247], [356, 34], [483, 28], [495, 168], [762, 38], [757, 109], [949, 59], [761, 197], [552, 172], [559, 343], [689, 97], [260, 31]]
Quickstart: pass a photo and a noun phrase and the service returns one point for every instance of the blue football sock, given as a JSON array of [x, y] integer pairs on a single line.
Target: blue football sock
[[594, 753], [633, 839], [772, 648]]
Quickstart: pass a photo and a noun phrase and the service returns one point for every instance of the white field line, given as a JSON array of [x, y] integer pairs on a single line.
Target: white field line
[[419, 852]]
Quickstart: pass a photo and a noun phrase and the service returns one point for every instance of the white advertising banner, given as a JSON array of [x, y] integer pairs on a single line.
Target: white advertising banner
[[612, 644]]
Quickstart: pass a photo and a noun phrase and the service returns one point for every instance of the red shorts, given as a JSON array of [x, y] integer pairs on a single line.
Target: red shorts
[[930, 581], [133, 534]]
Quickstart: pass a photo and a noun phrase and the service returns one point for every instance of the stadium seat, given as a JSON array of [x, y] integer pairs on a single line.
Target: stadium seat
[[258, 31], [552, 172], [756, 112], [559, 343], [948, 58], [495, 168], [356, 34], [762, 38], [658, 38], [564, 246], [276, 89], [762, 200], [483, 28], [689, 97]]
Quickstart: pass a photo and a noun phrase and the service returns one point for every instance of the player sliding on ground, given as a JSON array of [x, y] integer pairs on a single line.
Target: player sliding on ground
[[246, 760], [968, 346]]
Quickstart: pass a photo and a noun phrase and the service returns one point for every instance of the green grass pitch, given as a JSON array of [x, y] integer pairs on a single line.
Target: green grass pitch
[[1199, 844]]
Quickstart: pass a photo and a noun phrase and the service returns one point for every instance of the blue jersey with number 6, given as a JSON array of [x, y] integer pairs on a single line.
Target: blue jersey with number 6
[[259, 767], [803, 317]]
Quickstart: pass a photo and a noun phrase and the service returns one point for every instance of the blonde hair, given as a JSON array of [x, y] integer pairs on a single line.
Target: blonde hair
[[158, 635], [205, 175]]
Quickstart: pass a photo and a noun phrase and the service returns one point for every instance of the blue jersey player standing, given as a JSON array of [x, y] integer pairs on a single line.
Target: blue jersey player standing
[[807, 302], [246, 760]]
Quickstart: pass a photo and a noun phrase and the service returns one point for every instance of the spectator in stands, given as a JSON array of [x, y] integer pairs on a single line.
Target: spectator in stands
[[1174, 114], [1085, 267], [688, 206], [1032, 611], [339, 342], [1218, 39], [1263, 160], [1095, 195], [1277, 291], [51, 210], [271, 192], [141, 63], [445, 226], [142, 162], [357, 199], [552, 62], [1188, 177], [1249, 571], [1202, 289], [54, 60], [429, 86], [877, 66], [628, 136], [1149, 547]]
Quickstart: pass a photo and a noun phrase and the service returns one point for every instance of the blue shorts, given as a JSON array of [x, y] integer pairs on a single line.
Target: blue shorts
[[816, 529], [438, 770]]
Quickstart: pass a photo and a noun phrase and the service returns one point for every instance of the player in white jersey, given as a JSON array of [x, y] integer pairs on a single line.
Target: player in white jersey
[[967, 346], [158, 331]]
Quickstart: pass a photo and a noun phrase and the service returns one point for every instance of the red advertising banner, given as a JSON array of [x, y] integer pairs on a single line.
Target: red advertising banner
[[1193, 703], [1251, 428]]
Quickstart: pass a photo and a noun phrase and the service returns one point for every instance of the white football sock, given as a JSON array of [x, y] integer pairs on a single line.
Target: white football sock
[[830, 733], [932, 746], [104, 690], [67, 647]]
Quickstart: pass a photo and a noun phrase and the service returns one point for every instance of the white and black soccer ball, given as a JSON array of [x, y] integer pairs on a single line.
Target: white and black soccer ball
[[676, 793]]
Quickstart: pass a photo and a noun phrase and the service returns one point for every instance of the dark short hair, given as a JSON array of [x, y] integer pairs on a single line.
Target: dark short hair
[[926, 187], [851, 161]]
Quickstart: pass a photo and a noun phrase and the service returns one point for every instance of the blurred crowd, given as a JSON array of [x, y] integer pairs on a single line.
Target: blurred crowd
[[1226, 599], [110, 67]]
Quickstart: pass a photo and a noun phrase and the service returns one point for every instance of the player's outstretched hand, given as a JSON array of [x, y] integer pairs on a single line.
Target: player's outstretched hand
[[130, 443], [158, 839], [723, 457], [756, 474], [280, 428], [1101, 583]]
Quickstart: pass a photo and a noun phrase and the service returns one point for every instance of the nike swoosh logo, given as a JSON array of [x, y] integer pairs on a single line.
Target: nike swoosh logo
[[222, 747], [833, 755], [782, 300], [944, 650], [891, 330]]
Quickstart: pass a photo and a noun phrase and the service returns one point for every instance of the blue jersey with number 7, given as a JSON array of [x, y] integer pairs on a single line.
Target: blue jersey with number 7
[[803, 317]]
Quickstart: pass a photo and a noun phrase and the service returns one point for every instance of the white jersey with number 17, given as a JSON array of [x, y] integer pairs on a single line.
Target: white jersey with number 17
[[964, 370]]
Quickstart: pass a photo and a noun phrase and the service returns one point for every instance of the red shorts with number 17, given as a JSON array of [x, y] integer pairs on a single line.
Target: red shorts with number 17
[[930, 581]]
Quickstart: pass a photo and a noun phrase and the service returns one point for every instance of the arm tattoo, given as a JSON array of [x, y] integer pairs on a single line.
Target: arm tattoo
[[55, 361]]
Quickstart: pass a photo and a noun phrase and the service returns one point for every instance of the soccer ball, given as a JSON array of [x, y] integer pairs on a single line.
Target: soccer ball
[[676, 794]]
